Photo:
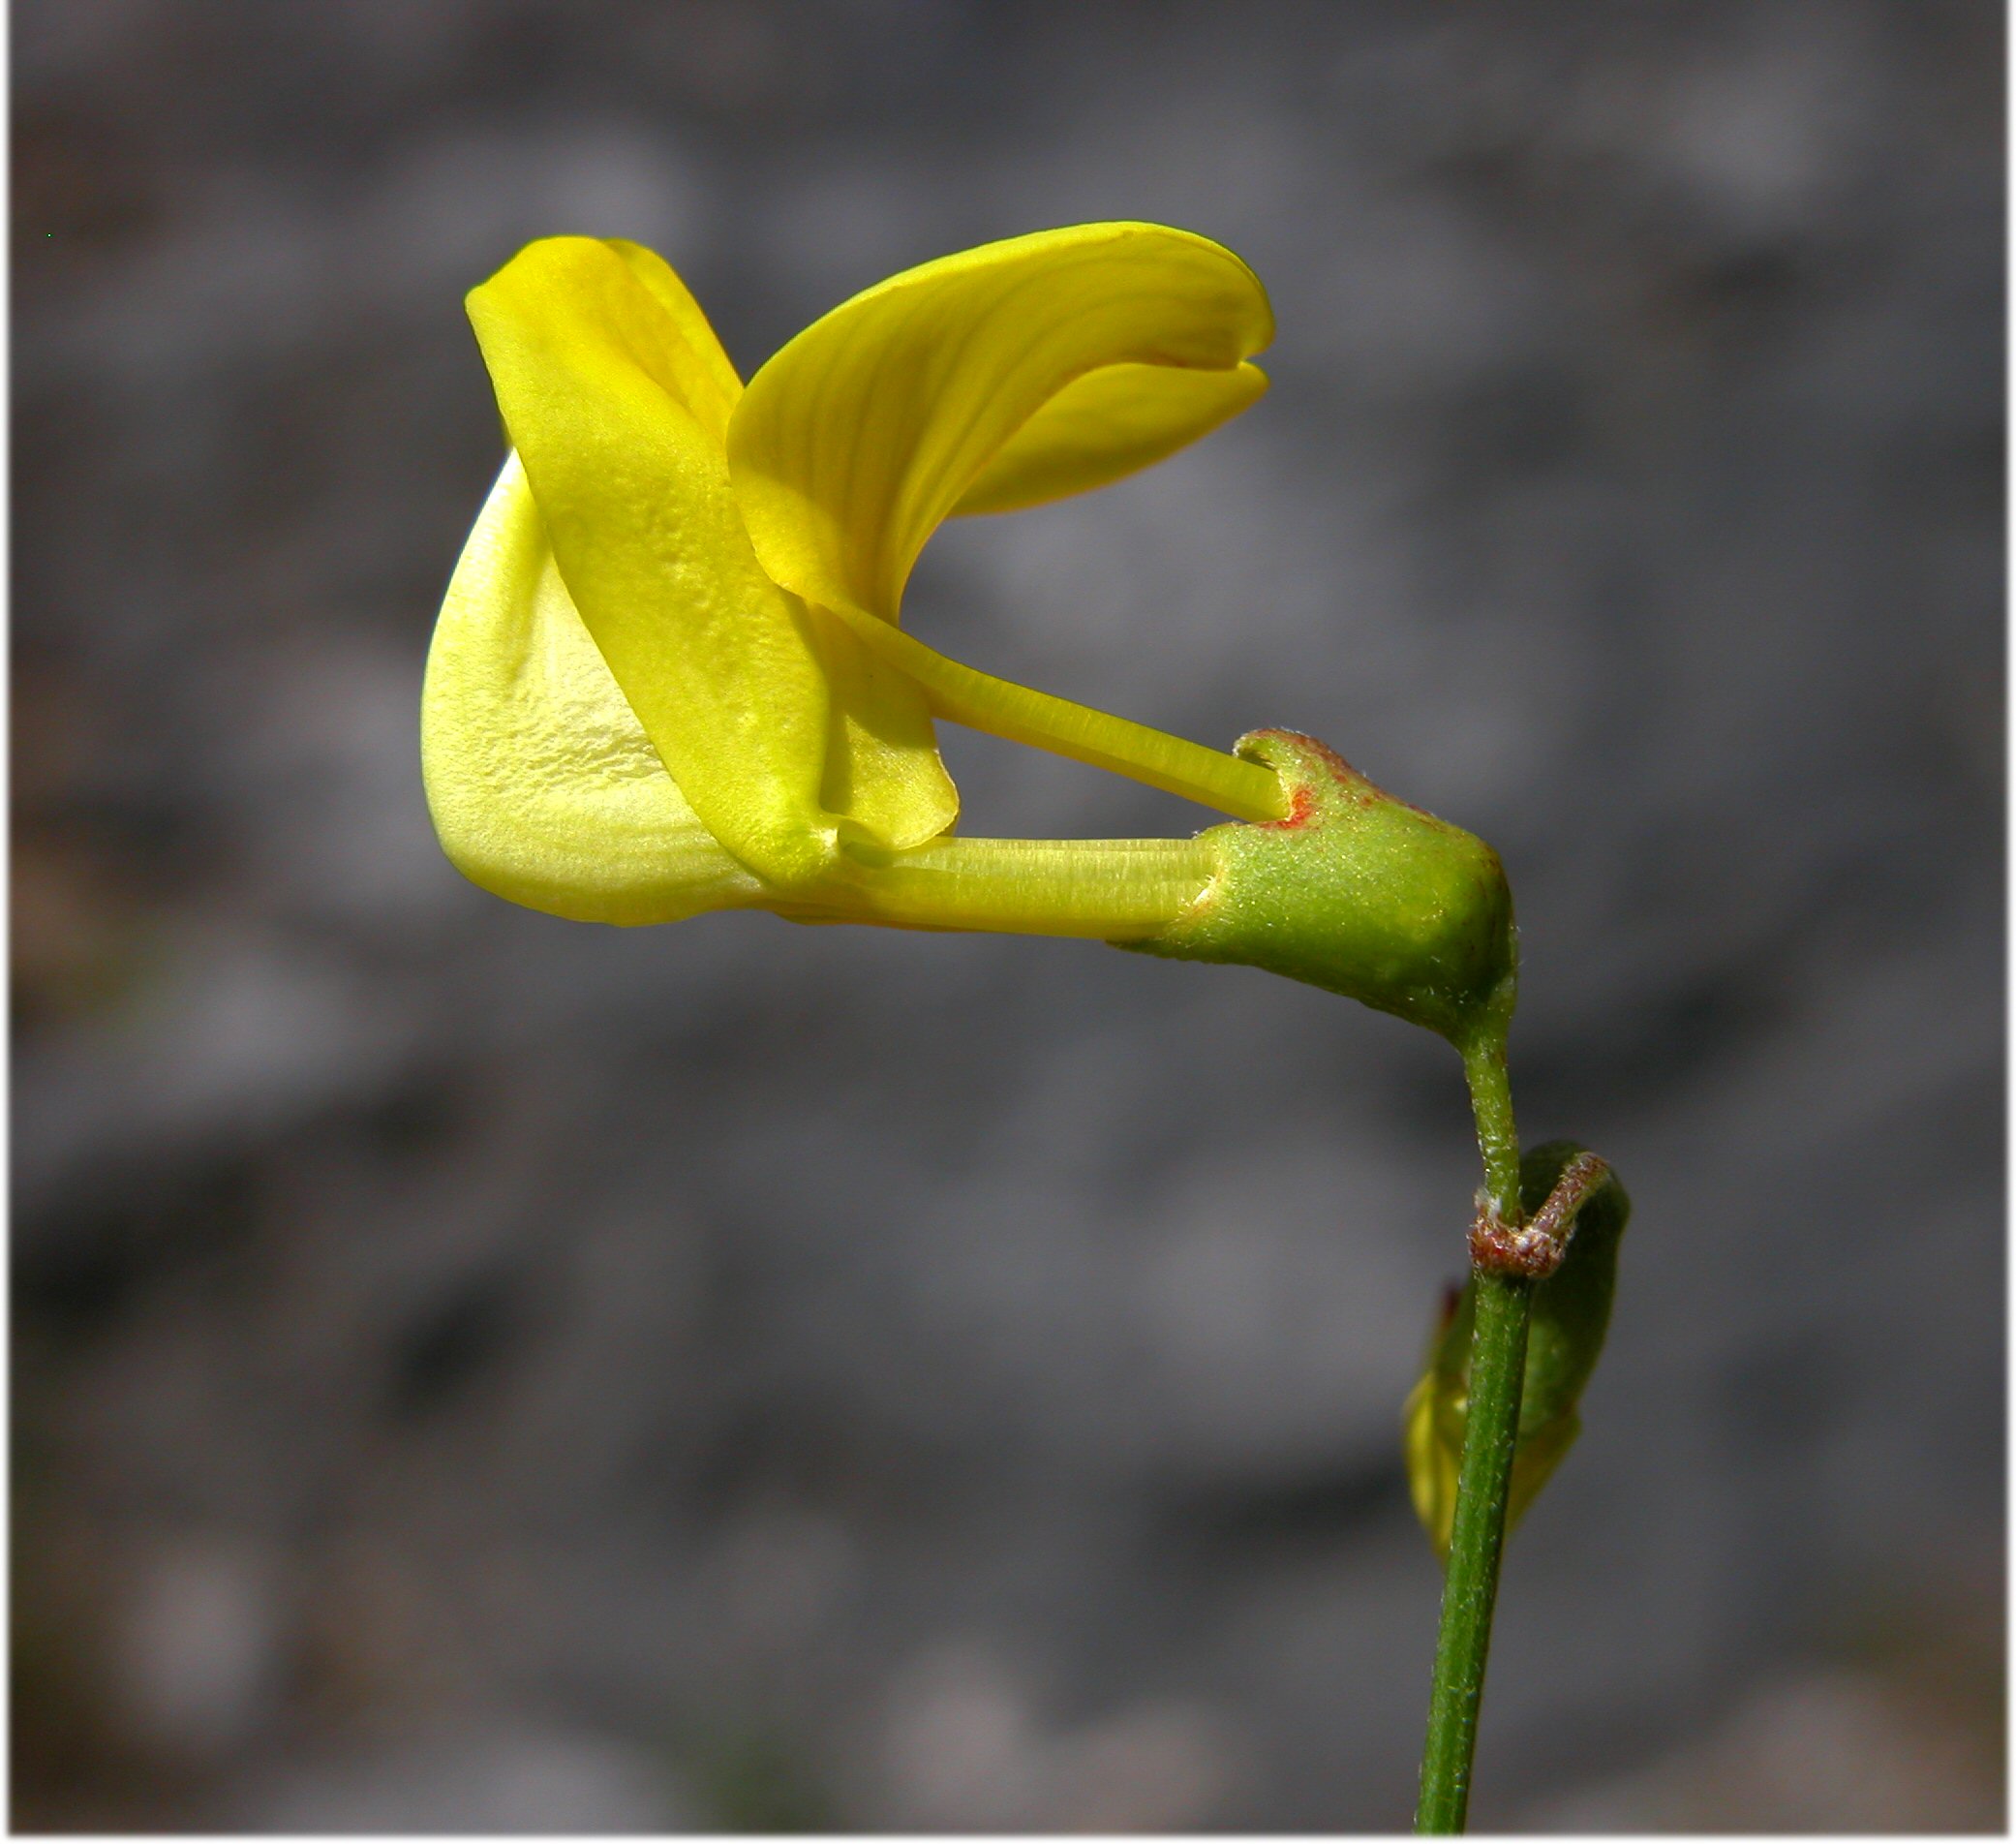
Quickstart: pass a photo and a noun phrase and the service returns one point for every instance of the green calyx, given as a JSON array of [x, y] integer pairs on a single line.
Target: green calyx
[[1360, 894]]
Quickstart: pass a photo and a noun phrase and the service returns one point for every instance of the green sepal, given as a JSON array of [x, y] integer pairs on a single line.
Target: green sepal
[[1570, 1317], [1359, 893]]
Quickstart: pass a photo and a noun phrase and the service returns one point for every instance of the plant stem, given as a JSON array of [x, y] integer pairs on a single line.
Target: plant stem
[[1503, 1305], [1497, 1375], [1497, 1135]]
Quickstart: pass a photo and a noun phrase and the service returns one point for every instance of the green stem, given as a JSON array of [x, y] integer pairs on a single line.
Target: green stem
[[1497, 1372], [1497, 1380], [1497, 1135]]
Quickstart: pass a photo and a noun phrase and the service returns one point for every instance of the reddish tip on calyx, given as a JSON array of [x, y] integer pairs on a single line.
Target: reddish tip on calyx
[[1302, 809], [1303, 801], [1358, 788]]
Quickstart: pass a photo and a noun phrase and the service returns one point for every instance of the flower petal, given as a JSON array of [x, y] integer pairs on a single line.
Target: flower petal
[[1105, 426], [852, 444], [708, 382], [542, 781], [613, 401]]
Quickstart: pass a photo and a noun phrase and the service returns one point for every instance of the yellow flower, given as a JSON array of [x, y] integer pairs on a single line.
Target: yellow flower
[[668, 675]]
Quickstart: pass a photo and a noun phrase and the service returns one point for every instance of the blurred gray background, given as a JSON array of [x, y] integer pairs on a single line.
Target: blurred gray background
[[474, 1372]]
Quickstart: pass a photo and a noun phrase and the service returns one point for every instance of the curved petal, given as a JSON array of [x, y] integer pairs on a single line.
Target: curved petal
[[1105, 425], [613, 403], [852, 444], [542, 781], [708, 383]]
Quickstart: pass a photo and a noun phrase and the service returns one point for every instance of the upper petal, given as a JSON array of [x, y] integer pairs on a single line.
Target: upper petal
[[852, 444], [1105, 426], [543, 786]]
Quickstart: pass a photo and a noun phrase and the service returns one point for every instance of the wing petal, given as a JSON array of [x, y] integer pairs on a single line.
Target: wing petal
[[543, 783]]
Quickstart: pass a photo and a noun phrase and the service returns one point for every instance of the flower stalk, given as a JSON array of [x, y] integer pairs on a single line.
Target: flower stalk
[[1097, 889], [1019, 714]]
